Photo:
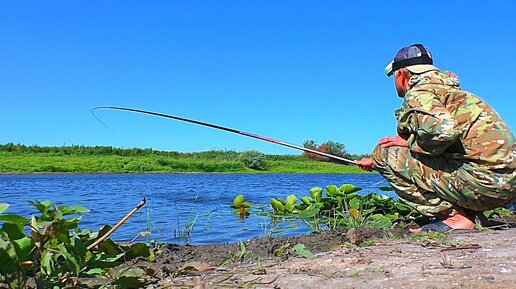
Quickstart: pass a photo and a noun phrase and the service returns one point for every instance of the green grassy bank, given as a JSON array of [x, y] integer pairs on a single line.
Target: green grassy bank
[[80, 159]]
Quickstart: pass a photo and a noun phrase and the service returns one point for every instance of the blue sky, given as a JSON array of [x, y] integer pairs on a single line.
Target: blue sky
[[289, 70]]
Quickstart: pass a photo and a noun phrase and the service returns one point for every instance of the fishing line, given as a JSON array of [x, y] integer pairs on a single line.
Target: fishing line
[[340, 159]]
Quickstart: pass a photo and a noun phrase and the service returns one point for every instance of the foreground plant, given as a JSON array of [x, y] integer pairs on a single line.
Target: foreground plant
[[343, 207], [55, 252]]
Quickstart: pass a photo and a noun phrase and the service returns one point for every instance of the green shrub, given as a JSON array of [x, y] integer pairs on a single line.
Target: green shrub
[[254, 160]]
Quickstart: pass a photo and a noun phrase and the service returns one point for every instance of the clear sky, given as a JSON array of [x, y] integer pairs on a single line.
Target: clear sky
[[289, 70]]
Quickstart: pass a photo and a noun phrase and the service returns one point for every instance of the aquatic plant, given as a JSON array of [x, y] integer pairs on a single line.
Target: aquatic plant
[[241, 206], [343, 207], [184, 232]]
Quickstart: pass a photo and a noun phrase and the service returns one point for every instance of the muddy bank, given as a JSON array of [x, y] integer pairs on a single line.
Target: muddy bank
[[358, 258], [481, 259]]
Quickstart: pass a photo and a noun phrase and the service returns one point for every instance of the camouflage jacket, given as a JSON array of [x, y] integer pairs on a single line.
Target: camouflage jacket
[[441, 118]]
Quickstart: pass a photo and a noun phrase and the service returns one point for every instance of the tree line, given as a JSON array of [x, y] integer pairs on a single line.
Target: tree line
[[79, 150], [330, 147]]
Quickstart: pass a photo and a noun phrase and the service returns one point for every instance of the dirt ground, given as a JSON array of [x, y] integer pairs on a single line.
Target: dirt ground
[[478, 259]]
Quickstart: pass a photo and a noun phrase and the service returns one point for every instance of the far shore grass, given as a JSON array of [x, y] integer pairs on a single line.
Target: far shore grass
[[20, 159]]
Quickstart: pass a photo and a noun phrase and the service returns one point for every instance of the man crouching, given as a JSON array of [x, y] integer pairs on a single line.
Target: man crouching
[[453, 157]]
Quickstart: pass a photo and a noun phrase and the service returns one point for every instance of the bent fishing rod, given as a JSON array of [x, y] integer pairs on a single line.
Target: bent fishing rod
[[344, 160]]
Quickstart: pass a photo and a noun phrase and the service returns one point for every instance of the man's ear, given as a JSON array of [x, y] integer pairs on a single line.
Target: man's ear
[[404, 77]]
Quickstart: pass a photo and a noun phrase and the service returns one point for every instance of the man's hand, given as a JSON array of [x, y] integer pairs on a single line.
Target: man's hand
[[365, 164], [393, 141]]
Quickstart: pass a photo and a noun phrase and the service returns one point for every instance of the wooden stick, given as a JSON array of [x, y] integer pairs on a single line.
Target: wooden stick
[[118, 224]]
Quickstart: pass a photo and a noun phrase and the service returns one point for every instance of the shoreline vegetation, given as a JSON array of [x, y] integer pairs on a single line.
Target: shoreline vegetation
[[22, 159], [365, 244]]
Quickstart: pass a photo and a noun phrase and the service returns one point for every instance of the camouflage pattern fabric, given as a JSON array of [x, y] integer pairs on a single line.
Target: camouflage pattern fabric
[[460, 155]]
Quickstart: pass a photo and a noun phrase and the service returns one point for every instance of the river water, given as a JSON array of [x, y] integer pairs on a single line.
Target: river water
[[180, 208]]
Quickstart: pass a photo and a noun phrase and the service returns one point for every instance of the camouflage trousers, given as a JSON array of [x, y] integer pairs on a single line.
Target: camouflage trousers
[[441, 186]]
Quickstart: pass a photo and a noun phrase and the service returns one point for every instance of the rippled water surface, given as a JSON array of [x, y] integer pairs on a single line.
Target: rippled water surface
[[174, 201]]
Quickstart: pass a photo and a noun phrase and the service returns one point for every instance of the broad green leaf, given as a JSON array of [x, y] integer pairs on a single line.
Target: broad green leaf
[[301, 250], [281, 201], [39, 223], [354, 203], [331, 190], [310, 211], [386, 189], [109, 247], [316, 193], [380, 221], [488, 213], [105, 261], [95, 272], [392, 217], [3, 207], [72, 223], [502, 211], [402, 208], [291, 199], [307, 200], [289, 208], [14, 219], [498, 211], [56, 215], [237, 201], [63, 237], [349, 188], [351, 196], [138, 250], [23, 247], [13, 231], [277, 205], [68, 210], [315, 190], [41, 206], [346, 188]]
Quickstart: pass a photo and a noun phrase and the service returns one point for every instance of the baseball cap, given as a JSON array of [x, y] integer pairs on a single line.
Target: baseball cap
[[416, 58]]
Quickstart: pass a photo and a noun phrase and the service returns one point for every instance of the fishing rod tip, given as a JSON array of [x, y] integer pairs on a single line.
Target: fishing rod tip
[[98, 119]]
